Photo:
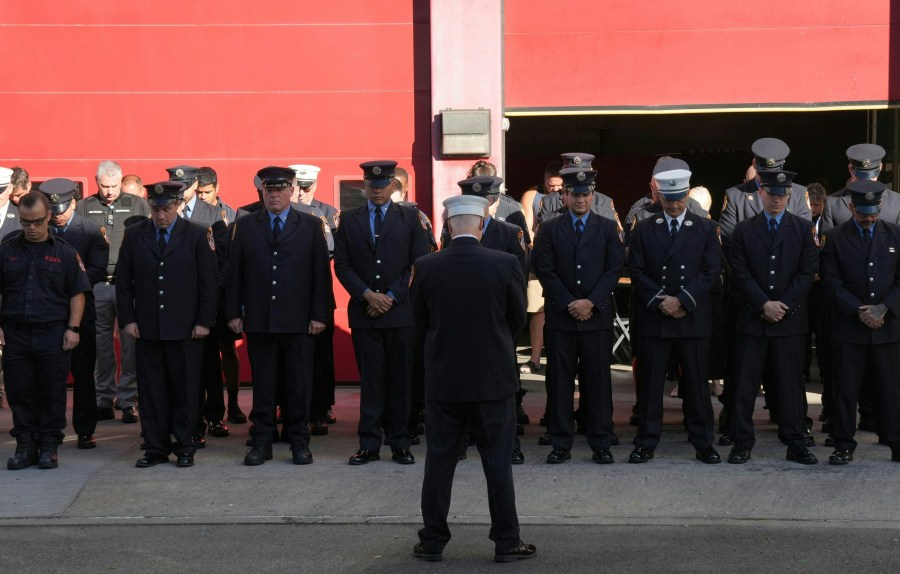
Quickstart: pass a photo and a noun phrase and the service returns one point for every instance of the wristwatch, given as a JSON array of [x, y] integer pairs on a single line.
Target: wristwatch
[[74, 328]]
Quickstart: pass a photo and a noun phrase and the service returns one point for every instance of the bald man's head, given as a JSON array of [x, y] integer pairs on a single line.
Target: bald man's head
[[132, 184]]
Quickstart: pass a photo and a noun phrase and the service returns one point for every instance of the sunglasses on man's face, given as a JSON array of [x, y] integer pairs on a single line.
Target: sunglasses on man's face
[[32, 222]]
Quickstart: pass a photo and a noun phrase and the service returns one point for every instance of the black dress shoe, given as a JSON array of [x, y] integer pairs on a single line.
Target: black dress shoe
[[840, 457], [827, 427], [200, 439], [129, 415], [105, 414], [364, 456], [426, 555], [801, 455], [517, 457], [544, 439], [302, 456], [809, 438], [739, 455], [521, 416], [520, 551], [615, 441], [185, 460], [318, 428], [725, 440], [26, 455], [559, 456], [829, 440], [329, 417], [258, 455], [403, 456], [414, 439], [708, 455], [86, 441], [218, 428], [640, 454], [149, 459], [603, 456]]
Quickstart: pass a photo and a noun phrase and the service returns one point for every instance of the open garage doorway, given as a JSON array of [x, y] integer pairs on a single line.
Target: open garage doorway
[[715, 145]]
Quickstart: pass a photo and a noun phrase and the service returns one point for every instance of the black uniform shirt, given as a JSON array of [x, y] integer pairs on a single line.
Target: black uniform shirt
[[38, 279]]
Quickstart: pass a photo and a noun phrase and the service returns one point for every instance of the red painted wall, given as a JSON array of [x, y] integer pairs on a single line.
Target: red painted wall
[[233, 85], [614, 53]]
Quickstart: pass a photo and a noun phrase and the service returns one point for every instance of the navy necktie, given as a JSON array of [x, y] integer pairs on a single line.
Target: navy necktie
[[674, 228], [162, 240], [867, 237], [773, 227], [379, 219], [579, 229], [276, 227]]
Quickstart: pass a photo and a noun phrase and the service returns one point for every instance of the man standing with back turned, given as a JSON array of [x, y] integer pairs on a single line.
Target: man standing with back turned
[[474, 298]]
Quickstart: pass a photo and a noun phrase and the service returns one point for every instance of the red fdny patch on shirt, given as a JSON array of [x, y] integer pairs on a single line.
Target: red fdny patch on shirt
[[52, 259]]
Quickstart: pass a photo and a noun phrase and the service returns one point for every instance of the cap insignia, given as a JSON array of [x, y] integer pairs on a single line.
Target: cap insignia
[[159, 188], [576, 160], [54, 198], [867, 163], [476, 187], [780, 177], [770, 162], [870, 196], [376, 170], [179, 172], [581, 176], [673, 183]]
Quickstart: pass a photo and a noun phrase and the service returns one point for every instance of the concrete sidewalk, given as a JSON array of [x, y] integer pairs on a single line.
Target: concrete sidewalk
[[102, 486]]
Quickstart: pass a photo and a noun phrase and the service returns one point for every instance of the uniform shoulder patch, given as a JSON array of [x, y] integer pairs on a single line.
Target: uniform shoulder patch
[[224, 217], [209, 238], [412, 274], [725, 203], [80, 262], [337, 219], [521, 239], [103, 233], [719, 234]]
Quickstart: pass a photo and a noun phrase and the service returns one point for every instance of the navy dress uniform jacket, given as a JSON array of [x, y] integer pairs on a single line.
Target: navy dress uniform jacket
[[167, 293], [763, 271], [686, 266], [569, 269], [837, 208], [644, 208], [500, 236], [479, 330], [743, 202], [360, 264], [278, 285], [855, 276]]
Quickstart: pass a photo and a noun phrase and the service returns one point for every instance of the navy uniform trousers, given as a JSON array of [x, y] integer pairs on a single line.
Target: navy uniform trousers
[[445, 428], [168, 382], [35, 369]]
